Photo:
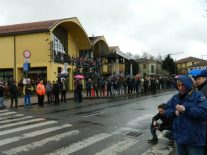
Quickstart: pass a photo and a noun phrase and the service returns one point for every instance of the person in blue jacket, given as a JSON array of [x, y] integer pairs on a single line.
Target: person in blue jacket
[[188, 109]]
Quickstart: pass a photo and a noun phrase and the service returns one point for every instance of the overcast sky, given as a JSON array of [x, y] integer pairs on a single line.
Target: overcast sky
[[155, 26]]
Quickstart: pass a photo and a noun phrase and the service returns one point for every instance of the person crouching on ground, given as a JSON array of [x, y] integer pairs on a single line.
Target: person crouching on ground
[[165, 127], [188, 109]]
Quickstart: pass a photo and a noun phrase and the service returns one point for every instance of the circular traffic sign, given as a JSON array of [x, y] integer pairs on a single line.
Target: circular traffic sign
[[27, 54]]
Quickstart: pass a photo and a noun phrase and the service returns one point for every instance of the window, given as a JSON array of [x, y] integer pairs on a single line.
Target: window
[[144, 66], [152, 69], [60, 40]]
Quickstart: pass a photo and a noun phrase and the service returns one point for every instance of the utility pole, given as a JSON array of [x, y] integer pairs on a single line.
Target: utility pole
[[173, 53]]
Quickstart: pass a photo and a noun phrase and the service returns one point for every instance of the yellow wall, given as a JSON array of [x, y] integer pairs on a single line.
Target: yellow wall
[[37, 45], [72, 47], [6, 52]]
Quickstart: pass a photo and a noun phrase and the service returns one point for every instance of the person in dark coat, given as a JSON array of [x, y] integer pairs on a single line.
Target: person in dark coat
[[165, 127], [88, 87], [2, 90], [56, 92], [14, 94], [79, 90], [188, 109], [63, 90], [201, 81]]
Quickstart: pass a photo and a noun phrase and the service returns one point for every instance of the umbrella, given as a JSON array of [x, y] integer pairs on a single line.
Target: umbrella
[[129, 76], [194, 72], [79, 76]]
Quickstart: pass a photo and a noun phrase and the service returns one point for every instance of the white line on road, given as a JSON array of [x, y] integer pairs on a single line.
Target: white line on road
[[33, 134], [6, 110], [20, 123], [11, 117], [26, 127], [80, 145], [15, 119], [118, 147], [40, 143], [94, 114], [8, 113], [159, 149]]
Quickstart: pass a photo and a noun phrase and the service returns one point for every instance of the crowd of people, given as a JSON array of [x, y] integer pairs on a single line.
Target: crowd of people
[[183, 117], [50, 89], [55, 91], [132, 84]]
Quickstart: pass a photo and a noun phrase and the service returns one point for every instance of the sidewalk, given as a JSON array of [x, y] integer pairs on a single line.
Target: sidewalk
[[34, 100], [69, 96]]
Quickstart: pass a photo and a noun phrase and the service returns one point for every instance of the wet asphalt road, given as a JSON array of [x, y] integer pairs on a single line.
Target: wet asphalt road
[[106, 126]]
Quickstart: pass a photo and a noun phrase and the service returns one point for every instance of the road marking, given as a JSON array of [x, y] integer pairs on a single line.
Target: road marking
[[6, 110], [26, 127], [15, 119], [80, 145], [20, 123], [40, 143], [32, 134], [118, 147], [8, 113], [159, 149], [11, 117], [94, 114]]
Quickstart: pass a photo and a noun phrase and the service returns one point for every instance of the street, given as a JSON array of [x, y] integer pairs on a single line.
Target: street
[[105, 126]]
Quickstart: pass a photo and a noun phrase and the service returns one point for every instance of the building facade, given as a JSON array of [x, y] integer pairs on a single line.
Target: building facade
[[148, 67], [184, 65], [51, 44]]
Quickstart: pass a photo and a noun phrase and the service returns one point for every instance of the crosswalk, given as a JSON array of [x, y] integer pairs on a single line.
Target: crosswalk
[[21, 134]]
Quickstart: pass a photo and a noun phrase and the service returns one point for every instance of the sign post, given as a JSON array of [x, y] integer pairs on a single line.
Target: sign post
[[26, 65]]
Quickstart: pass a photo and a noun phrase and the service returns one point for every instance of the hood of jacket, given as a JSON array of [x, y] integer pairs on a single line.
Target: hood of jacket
[[187, 81]]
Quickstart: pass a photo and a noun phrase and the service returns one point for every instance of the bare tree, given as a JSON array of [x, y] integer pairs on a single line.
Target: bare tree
[[159, 58], [146, 55], [136, 56]]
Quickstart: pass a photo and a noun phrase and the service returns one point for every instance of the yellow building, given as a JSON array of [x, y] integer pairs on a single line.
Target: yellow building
[[183, 65], [51, 44]]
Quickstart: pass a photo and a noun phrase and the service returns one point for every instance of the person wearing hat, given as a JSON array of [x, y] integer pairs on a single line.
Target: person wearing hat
[[201, 81], [188, 109]]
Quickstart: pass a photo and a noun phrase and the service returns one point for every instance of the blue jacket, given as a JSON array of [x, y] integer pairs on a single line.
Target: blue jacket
[[189, 127]]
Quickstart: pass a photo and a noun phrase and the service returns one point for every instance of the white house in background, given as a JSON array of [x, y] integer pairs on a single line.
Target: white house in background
[[148, 67]]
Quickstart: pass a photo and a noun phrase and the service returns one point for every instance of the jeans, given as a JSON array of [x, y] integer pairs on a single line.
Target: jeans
[[168, 134], [190, 150], [1, 102], [27, 100]]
